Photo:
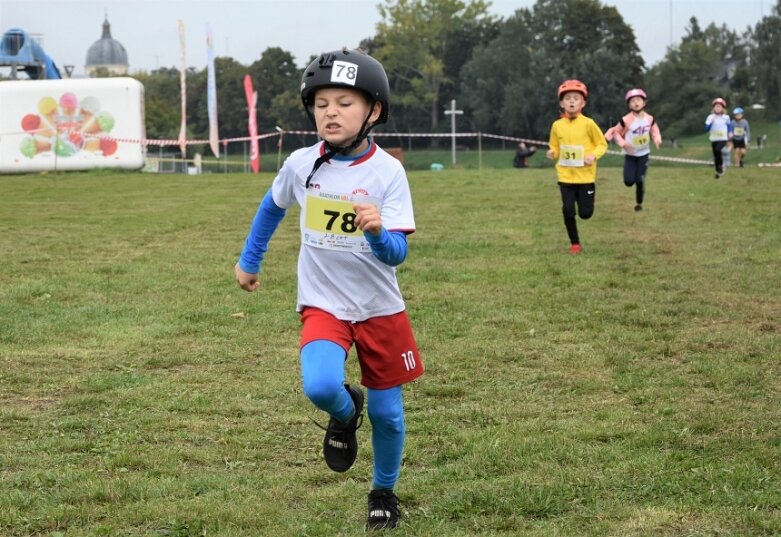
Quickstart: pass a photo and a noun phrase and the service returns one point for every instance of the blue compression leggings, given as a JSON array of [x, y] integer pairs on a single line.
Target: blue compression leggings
[[322, 373]]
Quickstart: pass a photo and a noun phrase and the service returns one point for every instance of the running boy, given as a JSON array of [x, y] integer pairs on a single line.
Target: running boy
[[356, 213], [739, 135], [717, 125], [634, 133], [577, 142]]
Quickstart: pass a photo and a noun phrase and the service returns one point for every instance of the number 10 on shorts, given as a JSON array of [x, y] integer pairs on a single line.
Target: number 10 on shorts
[[409, 360]]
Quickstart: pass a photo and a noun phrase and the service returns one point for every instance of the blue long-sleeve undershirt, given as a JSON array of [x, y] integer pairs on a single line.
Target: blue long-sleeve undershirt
[[390, 247], [264, 225]]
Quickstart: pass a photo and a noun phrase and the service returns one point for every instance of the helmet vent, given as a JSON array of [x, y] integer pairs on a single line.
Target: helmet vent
[[327, 61]]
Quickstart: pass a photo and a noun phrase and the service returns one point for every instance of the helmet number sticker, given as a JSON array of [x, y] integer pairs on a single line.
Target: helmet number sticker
[[344, 73]]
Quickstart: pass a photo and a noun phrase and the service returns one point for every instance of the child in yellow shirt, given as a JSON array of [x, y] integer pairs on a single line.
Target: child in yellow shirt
[[576, 142]]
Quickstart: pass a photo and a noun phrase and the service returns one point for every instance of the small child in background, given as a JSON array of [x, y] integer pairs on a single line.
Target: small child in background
[[634, 133], [739, 135], [576, 142], [717, 124]]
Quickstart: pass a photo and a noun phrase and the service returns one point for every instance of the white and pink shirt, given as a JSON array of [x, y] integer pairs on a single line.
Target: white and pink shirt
[[344, 278], [635, 131]]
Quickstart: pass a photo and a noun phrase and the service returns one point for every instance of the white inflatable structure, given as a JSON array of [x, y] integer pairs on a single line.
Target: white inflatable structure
[[71, 124]]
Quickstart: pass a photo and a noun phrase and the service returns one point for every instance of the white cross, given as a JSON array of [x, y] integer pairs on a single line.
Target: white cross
[[452, 113]]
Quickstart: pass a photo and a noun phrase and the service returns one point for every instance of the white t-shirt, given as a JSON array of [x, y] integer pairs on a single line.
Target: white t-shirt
[[336, 270], [638, 135], [719, 127]]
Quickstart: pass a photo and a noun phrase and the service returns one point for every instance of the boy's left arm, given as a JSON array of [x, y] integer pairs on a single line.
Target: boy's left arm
[[600, 144], [390, 247]]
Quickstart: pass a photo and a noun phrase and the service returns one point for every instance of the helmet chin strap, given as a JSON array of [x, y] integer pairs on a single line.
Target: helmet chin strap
[[332, 150]]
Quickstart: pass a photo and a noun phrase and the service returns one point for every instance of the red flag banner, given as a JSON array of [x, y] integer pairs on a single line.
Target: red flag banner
[[252, 99]]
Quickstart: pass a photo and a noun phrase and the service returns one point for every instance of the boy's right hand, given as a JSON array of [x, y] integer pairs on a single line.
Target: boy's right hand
[[551, 154], [248, 282]]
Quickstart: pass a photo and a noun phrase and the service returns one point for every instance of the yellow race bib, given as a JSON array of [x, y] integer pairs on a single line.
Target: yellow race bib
[[572, 156], [329, 221], [641, 140]]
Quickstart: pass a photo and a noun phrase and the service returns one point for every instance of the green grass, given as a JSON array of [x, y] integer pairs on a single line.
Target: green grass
[[629, 391]]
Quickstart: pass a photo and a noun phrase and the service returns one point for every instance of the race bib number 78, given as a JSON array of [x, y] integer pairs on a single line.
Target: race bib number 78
[[330, 216], [329, 221]]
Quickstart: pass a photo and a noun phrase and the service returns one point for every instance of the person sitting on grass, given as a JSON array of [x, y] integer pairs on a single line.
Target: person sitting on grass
[[521, 159]]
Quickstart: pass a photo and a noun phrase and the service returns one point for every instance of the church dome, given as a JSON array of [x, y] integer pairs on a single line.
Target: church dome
[[106, 53]]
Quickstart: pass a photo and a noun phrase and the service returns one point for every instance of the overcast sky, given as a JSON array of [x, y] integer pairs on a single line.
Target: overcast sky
[[243, 29]]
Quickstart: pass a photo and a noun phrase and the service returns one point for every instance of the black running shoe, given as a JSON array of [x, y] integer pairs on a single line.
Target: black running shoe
[[340, 445], [638, 207], [383, 510]]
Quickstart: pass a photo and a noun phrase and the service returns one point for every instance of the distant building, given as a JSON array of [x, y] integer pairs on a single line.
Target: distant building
[[106, 56]]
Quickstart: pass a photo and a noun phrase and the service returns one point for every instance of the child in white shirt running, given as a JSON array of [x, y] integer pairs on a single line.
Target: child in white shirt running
[[634, 133], [356, 213], [717, 125]]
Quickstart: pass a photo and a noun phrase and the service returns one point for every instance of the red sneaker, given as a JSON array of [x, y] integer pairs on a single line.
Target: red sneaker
[[575, 249]]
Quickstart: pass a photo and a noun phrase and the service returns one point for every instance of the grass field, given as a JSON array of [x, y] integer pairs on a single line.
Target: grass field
[[629, 391]]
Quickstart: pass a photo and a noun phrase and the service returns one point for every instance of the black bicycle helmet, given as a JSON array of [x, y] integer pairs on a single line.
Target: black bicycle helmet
[[352, 69], [346, 68]]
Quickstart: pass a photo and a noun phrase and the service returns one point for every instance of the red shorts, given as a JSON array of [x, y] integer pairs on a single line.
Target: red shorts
[[386, 348]]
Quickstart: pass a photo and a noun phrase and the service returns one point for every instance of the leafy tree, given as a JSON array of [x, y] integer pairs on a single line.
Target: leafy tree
[[510, 84], [231, 101], [276, 79], [414, 41], [708, 63], [494, 79], [766, 62], [161, 98]]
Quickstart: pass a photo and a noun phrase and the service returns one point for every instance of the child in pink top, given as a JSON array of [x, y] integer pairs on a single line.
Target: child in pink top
[[634, 133]]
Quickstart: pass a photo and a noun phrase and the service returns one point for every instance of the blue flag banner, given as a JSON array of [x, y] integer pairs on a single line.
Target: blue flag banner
[[211, 95]]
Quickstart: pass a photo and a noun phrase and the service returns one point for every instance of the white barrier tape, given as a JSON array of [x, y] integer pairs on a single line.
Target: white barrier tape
[[514, 139], [142, 141], [609, 151], [225, 141]]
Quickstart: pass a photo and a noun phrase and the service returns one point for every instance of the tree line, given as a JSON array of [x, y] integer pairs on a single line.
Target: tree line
[[502, 72]]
